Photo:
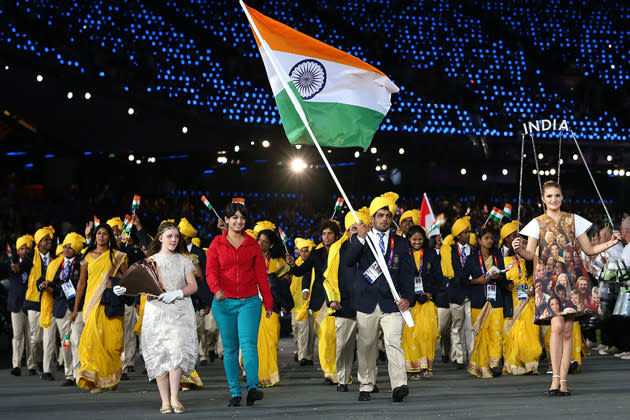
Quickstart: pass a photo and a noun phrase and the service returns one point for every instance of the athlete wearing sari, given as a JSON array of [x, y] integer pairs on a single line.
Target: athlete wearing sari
[[101, 342], [521, 349]]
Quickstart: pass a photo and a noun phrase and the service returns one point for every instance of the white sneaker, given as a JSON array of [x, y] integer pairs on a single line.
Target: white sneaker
[[626, 357], [604, 352], [601, 347], [625, 353]]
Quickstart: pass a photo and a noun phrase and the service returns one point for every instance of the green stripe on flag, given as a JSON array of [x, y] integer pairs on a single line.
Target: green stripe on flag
[[334, 124]]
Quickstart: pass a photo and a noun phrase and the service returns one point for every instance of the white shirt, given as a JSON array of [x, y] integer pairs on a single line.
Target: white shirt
[[533, 229], [377, 234], [189, 247], [625, 255], [68, 261], [614, 254], [465, 249]]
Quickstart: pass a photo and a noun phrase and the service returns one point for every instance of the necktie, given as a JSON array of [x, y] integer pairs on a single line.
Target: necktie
[[381, 242], [65, 271], [45, 261]]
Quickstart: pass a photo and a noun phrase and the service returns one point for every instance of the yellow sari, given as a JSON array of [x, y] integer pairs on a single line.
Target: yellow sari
[[326, 342], [102, 339], [269, 335], [486, 354], [522, 348], [419, 342]]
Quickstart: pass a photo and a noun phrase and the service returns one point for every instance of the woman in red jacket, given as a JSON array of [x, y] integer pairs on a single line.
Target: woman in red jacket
[[236, 272]]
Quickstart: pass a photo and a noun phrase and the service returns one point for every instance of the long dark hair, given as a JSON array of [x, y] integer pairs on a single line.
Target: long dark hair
[[418, 229], [112, 245], [156, 244], [276, 244]]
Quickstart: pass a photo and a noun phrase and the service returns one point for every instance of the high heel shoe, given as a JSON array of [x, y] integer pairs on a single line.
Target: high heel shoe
[[563, 393], [552, 392]]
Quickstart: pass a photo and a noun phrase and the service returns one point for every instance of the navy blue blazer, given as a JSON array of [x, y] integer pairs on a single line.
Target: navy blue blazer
[[456, 293], [18, 283], [25, 267], [431, 275], [60, 302], [478, 292], [367, 295], [347, 277], [318, 261]]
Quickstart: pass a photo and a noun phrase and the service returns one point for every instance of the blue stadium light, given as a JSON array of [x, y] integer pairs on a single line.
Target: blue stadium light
[[16, 153]]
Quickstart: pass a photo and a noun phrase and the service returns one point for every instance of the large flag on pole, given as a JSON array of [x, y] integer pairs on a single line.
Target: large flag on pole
[[426, 213], [344, 99]]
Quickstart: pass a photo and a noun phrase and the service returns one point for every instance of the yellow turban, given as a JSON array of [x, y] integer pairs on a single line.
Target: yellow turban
[[363, 214], [24, 240], [196, 241], [414, 214], [186, 228], [252, 233], [507, 230], [115, 222], [75, 240], [43, 232], [386, 200], [460, 225], [304, 243], [264, 225]]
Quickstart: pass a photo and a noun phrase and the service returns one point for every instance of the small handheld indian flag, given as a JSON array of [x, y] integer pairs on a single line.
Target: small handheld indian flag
[[338, 206], [435, 226], [284, 239], [9, 253], [507, 211], [238, 200], [135, 203], [206, 202], [97, 222], [496, 215], [127, 225]]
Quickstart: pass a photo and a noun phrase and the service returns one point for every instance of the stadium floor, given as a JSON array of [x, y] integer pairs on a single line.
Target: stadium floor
[[600, 390]]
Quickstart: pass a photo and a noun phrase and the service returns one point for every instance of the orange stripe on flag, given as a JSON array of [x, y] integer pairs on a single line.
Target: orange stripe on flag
[[281, 37]]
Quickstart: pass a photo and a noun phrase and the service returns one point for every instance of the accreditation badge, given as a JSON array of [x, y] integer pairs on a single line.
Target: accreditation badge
[[68, 289], [521, 291], [418, 286], [372, 273], [491, 291]]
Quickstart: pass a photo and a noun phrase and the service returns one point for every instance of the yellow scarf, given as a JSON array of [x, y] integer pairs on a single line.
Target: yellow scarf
[[32, 293], [331, 275], [303, 312], [45, 318], [447, 257]]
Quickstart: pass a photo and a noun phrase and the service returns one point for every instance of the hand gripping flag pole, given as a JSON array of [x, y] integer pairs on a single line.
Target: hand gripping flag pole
[[380, 259]]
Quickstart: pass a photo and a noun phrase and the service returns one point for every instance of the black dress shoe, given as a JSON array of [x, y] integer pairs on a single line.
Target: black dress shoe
[[563, 393], [328, 382], [459, 366], [254, 394], [305, 362], [131, 369], [234, 402], [399, 393], [48, 377], [124, 377], [496, 371], [32, 372], [16, 371], [67, 382], [364, 396], [375, 390], [342, 388]]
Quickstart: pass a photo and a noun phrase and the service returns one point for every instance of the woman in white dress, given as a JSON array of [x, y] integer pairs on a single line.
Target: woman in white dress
[[550, 309], [169, 331]]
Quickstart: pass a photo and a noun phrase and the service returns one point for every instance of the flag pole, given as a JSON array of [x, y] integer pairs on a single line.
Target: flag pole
[[298, 108]]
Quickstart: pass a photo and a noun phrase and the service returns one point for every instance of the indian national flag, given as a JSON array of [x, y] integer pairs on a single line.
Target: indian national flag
[[9, 253], [339, 204], [507, 211], [136, 202], [97, 222], [496, 215], [435, 226], [283, 237], [127, 225], [344, 98], [238, 200], [206, 202]]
